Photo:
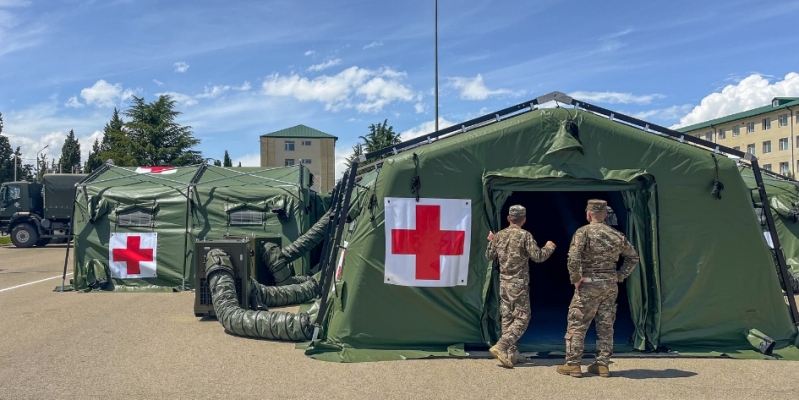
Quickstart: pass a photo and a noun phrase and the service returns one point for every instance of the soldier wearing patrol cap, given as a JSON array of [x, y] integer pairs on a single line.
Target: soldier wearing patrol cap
[[513, 246], [593, 254]]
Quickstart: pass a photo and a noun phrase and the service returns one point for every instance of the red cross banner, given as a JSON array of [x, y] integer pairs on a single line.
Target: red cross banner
[[427, 242], [132, 255], [156, 170]]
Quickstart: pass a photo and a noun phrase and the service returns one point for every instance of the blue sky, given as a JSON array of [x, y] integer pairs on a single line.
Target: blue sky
[[245, 68]]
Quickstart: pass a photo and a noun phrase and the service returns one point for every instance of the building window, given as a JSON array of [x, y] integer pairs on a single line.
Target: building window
[[784, 120], [709, 136], [783, 144], [750, 127], [767, 167], [722, 134], [135, 217], [289, 162], [766, 124], [246, 217], [737, 148], [767, 146], [736, 130], [305, 160], [784, 168], [750, 149], [306, 142], [289, 145]]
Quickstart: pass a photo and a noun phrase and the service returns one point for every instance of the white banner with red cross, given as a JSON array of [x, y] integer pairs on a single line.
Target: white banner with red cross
[[132, 255], [156, 170], [427, 242]]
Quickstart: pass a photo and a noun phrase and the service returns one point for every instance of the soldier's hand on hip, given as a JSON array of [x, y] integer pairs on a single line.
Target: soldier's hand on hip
[[490, 236], [551, 244], [577, 284]]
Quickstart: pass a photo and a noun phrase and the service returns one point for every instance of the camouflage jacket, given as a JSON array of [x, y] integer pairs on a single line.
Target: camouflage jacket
[[513, 246], [594, 251]]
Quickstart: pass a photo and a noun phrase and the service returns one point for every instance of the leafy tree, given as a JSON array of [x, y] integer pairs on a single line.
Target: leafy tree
[[379, 137], [95, 158], [154, 136], [116, 145], [227, 162], [6, 157], [70, 155], [217, 163]]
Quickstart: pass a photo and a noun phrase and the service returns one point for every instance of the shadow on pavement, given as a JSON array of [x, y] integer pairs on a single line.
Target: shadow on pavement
[[652, 373]]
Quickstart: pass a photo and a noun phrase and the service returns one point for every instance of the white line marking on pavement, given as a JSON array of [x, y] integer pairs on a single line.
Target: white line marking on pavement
[[31, 283]]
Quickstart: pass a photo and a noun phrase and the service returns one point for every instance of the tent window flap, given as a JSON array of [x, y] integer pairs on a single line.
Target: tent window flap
[[135, 218], [246, 217]]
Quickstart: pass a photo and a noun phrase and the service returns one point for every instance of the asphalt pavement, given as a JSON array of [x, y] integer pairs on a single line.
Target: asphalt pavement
[[150, 345]]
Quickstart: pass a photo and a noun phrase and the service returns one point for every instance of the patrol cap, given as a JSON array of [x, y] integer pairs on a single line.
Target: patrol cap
[[517, 212], [595, 205]]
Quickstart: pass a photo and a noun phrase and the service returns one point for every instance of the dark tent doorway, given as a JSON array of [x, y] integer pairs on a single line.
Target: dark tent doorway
[[556, 216]]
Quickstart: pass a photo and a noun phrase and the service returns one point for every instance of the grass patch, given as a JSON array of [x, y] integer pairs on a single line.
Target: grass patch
[[5, 239]]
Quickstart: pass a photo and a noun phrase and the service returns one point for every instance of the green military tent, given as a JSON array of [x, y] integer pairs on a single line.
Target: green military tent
[[137, 226], [705, 277]]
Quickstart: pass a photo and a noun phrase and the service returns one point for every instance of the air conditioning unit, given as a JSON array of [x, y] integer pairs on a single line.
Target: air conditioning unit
[[258, 269], [241, 255]]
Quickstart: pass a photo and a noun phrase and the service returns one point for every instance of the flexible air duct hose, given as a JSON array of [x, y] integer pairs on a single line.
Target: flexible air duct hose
[[279, 296], [279, 262], [275, 325]]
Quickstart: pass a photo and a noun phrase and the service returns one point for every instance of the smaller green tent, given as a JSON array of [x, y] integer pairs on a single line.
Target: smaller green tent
[[135, 228]]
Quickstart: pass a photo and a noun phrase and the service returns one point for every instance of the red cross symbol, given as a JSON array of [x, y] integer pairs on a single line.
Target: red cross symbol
[[428, 242], [156, 170], [133, 255]]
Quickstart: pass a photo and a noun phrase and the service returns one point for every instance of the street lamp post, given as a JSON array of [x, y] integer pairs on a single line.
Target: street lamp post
[[39, 165], [436, 65], [15, 167]]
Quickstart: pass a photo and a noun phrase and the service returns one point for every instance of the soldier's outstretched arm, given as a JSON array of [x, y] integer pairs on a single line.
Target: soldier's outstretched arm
[[630, 261], [535, 253], [575, 263]]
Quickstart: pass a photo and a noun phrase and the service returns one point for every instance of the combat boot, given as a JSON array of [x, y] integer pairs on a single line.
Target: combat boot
[[501, 355], [601, 370], [574, 371], [517, 358]]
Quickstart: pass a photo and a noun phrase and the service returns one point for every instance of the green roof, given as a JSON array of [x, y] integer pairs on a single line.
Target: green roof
[[300, 131], [783, 102]]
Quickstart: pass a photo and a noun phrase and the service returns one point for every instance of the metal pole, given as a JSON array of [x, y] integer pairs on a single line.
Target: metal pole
[[436, 65], [15, 166]]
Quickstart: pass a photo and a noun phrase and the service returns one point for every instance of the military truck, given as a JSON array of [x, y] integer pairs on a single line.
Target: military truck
[[36, 213]]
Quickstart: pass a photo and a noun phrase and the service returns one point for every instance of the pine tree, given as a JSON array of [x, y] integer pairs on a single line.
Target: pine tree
[[228, 162], [239, 164], [6, 157], [379, 137], [70, 155], [217, 163], [116, 145], [94, 160], [155, 137]]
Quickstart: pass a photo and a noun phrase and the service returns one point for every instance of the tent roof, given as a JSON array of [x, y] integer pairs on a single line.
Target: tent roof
[[114, 176]]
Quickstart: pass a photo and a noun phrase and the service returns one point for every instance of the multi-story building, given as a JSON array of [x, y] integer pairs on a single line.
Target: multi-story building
[[769, 132], [302, 145]]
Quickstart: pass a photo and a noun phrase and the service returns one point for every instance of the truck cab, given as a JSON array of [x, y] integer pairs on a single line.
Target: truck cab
[[34, 213]]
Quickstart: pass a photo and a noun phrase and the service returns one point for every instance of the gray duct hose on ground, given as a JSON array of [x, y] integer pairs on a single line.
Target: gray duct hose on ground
[[279, 296], [279, 262], [275, 325]]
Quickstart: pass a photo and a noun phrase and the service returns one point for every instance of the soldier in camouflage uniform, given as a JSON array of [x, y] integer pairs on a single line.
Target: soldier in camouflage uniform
[[513, 246], [593, 254]]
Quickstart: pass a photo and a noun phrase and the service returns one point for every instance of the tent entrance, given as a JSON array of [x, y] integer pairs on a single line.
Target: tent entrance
[[556, 216], [555, 210]]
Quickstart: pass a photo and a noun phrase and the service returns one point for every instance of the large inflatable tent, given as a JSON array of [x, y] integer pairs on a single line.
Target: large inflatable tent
[[415, 282], [137, 226]]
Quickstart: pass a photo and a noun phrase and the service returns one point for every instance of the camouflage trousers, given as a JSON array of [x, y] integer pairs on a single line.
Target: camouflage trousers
[[593, 301], [514, 309]]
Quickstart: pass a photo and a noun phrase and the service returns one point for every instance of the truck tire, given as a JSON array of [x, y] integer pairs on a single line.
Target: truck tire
[[43, 242], [24, 235]]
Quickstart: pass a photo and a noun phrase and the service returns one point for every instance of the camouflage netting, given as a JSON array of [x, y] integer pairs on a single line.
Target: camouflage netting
[[275, 325]]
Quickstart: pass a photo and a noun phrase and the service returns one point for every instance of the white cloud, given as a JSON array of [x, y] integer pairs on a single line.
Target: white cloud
[[73, 102], [247, 160], [373, 44], [363, 89], [309, 53], [157, 82], [342, 153], [181, 98], [475, 89], [325, 65], [419, 107], [104, 94], [672, 113], [615, 97], [86, 143], [751, 92], [425, 128], [181, 67]]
